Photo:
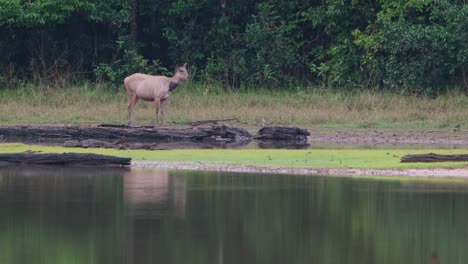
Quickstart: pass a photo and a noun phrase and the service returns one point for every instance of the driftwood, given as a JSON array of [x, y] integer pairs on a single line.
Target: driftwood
[[432, 157], [65, 159], [293, 135]]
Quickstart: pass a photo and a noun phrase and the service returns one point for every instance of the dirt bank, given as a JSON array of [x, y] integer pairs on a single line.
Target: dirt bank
[[389, 136]]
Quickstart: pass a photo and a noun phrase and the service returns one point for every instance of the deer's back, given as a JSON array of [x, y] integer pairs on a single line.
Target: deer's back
[[133, 81], [153, 87]]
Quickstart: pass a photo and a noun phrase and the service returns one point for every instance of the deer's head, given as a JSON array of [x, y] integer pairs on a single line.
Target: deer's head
[[182, 72]]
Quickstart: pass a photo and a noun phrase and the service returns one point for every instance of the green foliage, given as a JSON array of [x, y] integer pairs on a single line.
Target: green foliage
[[427, 51], [129, 61], [55, 42], [333, 60], [272, 51], [406, 46]]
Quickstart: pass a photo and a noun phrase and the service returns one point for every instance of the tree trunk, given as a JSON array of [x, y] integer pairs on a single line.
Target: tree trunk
[[133, 22], [465, 80]]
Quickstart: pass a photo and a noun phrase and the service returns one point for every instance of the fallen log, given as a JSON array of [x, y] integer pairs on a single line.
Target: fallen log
[[227, 133], [65, 159], [111, 133], [210, 121], [148, 137], [215, 136], [70, 132], [432, 157], [123, 144]]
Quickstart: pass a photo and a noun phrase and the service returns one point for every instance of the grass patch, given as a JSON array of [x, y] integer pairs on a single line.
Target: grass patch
[[316, 158], [308, 107]]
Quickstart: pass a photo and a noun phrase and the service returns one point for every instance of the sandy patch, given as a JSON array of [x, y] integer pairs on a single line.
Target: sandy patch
[[455, 173]]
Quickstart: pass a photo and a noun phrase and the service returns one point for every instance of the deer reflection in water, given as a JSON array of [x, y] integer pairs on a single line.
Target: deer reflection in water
[[434, 258], [153, 193]]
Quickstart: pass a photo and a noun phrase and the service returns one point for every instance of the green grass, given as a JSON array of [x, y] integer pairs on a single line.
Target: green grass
[[306, 107], [271, 158]]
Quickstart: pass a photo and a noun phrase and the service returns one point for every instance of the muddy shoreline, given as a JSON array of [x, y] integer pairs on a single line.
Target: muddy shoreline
[[372, 137], [349, 136]]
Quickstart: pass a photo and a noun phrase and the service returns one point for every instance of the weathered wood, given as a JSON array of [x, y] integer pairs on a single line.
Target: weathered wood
[[148, 137], [226, 136], [295, 135], [226, 132], [110, 133], [432, 157], [123, 144], [65, 159], [89, 143]]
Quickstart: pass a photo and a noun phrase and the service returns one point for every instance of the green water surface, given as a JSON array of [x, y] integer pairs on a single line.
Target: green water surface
[[65, 215]]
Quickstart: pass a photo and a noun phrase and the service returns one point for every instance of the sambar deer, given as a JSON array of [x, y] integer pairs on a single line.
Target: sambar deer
[[155, 88]]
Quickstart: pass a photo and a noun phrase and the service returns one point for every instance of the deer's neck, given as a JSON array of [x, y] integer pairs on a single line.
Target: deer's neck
[[175, 79], [174, 82]]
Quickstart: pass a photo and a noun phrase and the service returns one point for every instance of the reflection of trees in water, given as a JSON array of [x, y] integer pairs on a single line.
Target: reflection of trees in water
[[61, 215], [295, 219], [196, 217]]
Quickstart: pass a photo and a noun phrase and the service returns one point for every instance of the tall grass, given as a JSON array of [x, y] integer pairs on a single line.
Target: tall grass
[[312, 107]]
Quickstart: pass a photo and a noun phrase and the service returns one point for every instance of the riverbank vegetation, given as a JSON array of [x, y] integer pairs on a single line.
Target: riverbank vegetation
[[377, 63], [98, 103], [268, 158]]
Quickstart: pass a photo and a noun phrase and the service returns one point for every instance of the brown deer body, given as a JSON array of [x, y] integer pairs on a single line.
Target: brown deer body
[[152, 88]]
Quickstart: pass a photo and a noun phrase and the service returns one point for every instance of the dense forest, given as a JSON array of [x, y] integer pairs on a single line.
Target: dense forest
[[415, 46]]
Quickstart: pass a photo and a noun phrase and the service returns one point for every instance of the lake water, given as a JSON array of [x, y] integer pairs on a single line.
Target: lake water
[[139, 216]]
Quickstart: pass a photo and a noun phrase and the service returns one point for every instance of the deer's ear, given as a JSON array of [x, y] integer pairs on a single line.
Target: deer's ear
[[185, 65]]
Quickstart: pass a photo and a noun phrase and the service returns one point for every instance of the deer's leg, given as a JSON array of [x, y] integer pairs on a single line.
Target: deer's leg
[[157, 104], [131, 104], [163, 111]]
